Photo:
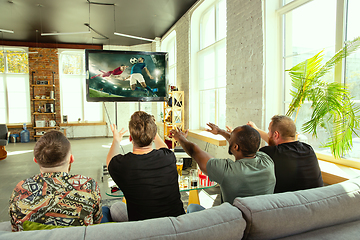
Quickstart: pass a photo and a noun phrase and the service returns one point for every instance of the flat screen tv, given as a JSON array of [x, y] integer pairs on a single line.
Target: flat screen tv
[[116, 76]]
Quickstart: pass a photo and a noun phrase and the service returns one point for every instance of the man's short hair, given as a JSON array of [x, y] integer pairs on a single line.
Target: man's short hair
[[248, 140], [52, 149], [284, 125], [142, 128]]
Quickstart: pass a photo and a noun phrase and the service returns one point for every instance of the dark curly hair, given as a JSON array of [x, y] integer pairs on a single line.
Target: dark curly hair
[[248, 140]]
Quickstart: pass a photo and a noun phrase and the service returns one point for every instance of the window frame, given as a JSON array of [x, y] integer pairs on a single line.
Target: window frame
[[82, 75], [198, 48], [25, 75], [340, 69]]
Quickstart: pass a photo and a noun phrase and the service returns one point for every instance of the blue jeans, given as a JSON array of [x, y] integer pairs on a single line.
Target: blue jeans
[[194, 208], [106, 215]]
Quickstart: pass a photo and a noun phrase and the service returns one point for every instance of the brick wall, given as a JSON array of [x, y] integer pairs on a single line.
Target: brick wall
[[41, 67], [244, 56]]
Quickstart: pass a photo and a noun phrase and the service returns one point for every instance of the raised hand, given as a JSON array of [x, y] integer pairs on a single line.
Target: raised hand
[[214, 129], [229, 129], [251, 124], [176, 133], [117, 136]]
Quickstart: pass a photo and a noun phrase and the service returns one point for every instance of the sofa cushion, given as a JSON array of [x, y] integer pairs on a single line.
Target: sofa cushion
[[343, 231], [71, 233], [5, 226], [221, 222], [284, 214]]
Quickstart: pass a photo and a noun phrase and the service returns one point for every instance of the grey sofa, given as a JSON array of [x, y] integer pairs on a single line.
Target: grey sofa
[[331, 212]]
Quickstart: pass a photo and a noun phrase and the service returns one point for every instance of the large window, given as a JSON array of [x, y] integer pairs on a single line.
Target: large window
[[210, 65], [323, 28], [14, 86], [169, 45], [73, 92]]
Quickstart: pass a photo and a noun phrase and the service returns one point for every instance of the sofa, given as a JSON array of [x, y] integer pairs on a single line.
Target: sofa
[[331, 212]]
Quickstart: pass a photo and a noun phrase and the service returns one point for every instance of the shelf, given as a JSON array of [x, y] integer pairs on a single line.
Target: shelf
[[45, 127], [37, 113], [174, 115], [42, 99], [42, 85]]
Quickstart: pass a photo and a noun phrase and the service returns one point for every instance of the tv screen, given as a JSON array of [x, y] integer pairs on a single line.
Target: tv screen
[[115, 76]]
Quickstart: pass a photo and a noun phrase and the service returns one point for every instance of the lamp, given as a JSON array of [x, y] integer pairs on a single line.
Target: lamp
[[127, 35], [131, 36], [7, 31]]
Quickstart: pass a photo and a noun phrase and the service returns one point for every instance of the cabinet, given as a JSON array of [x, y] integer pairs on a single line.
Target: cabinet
[[173, 114], [43, 102]]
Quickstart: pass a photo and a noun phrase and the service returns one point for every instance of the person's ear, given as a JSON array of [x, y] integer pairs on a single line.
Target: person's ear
[[130, 138], [35, 160], [71, 158], [276, 135], [236, 147]]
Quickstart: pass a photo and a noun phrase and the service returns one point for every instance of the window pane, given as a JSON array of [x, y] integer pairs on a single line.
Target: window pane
[[17, 62], [222, 108], [18, 99], [71, 89], [353, 61], [71, 63], [172, 76], [171, 51], [302, 42], [207, 69], [292, 61], [221, 65], [207, 107], [93, 111], [303, 34], [221, 27], [207, 36]]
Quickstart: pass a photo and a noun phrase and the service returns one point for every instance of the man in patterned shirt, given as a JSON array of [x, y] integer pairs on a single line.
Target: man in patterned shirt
[[54, 197]]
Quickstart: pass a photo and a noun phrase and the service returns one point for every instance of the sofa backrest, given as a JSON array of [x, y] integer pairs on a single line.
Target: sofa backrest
[[279, 215], [221, 222]]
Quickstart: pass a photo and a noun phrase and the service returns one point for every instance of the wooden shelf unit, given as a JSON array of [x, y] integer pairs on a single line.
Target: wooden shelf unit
[[174, 114], [37, 102]]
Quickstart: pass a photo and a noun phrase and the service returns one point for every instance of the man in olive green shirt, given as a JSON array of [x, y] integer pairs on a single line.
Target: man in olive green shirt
[[251, 174]]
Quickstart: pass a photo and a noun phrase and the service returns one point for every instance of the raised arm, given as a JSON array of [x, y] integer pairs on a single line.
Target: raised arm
[[115, 146], [148, 73], [214, 129], [193, 150], [159, 143], [263, 134]]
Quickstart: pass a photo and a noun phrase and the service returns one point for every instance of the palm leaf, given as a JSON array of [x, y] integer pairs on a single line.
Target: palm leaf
[[332, 108]]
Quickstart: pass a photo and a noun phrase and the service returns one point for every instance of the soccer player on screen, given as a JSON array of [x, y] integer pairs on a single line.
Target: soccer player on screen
[[115, 72], [136, 76]]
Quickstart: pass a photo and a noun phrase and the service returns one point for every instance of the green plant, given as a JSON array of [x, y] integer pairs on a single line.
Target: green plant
[[332, 108]]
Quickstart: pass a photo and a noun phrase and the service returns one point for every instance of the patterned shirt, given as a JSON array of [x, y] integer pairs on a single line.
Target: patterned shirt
[[56, 199]]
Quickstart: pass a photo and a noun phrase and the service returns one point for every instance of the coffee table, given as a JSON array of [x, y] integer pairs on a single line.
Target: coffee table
[[193, 192]]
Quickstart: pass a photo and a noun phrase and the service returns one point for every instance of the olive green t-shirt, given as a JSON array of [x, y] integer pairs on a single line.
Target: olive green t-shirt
[[244, 177]]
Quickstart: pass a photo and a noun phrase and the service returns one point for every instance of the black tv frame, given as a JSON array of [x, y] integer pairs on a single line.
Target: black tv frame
[[127, 99]]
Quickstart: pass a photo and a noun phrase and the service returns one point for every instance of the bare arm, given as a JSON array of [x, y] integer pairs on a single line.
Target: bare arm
[[214, 129], [200, 156], [159, 143], [263, 134], [148, 73], [115, 146]]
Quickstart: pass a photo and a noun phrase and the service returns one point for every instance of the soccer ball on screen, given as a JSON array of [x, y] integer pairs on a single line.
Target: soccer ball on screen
[[133, 60]]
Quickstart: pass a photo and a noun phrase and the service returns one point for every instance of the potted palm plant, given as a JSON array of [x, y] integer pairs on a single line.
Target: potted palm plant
[[331, 103]]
